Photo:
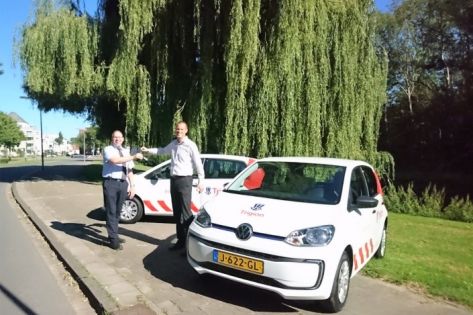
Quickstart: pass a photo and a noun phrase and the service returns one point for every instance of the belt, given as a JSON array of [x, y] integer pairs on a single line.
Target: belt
[[114, 179], [180, 176]]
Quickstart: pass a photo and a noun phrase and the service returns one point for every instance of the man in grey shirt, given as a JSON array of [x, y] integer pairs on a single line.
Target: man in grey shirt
[[185, 158]]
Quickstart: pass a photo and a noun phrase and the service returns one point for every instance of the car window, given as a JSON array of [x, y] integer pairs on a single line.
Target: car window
[[163, 172], [370, 181], [306, 182], [222, 168], [357, 185]]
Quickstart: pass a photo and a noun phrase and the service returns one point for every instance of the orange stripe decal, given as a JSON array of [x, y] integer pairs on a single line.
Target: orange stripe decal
[[371, 244], [367, 250], [194, 208], [362, 257], [164, 206], [355, 262], [150, 206]]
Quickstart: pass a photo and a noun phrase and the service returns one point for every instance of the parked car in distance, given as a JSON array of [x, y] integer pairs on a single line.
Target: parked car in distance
[[153, 193], [300, 227]]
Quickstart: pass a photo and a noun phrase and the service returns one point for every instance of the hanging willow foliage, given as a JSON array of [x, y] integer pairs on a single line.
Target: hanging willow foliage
[[126, 78], [58, 54], [251, 77]]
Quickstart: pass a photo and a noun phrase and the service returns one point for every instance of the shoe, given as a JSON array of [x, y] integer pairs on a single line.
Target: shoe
[[115, 245], [176, 246]]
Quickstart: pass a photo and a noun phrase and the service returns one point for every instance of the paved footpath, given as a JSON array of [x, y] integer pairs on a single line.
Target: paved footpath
[[146, 278]]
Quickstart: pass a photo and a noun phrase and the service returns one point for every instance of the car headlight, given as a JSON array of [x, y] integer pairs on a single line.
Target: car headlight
[[203, 219], [316, 236]]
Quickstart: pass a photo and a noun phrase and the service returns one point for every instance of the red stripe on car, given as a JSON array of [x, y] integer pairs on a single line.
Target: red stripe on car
[[150, 206], [164, 206]]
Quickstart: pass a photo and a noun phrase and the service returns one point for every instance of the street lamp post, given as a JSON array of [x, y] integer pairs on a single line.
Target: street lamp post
[[83, 142], [83, 136], [41, 130]]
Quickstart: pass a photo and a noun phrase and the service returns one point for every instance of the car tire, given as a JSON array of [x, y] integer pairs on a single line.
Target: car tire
[[132, 211], [341, 286], [381, 251]]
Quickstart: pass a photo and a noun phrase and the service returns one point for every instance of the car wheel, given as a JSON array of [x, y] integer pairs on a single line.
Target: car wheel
[[341, 285], [132, 211], [381, 251]]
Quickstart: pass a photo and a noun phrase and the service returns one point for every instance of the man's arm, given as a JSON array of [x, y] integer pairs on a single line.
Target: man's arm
[[131, 181], [123, 159], [196, 160], [158, 151]]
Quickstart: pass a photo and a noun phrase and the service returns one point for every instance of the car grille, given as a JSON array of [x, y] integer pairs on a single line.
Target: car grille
[[252, 277]]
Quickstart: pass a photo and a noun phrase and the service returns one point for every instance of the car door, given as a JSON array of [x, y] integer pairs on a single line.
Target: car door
[[155, 191], [218, 172], [361, 220], [376, 220]]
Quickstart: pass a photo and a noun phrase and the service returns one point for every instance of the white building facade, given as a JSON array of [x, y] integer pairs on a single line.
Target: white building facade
[[32, 145]]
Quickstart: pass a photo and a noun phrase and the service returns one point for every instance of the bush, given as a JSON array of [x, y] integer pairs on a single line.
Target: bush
[[430, 204], [459, 209]]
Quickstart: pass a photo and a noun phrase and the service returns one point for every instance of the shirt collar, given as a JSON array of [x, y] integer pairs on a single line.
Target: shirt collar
[[184, 140]]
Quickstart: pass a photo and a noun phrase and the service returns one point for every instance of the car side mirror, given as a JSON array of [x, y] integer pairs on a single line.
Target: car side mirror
[[366, 202]]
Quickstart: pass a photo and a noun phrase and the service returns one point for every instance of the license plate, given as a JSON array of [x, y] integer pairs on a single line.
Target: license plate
[[238, 262]]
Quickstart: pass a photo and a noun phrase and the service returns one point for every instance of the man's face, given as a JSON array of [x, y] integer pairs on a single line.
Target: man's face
[[181, 131], [117, 139]]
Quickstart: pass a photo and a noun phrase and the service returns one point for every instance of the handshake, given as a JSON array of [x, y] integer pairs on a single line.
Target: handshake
[[139, 153]]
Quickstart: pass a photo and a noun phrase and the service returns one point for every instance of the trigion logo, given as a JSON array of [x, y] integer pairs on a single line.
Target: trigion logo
[[254, 211], [257, 207]]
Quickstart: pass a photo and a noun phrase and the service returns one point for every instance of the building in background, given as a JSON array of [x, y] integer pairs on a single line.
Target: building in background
[[32, 145]]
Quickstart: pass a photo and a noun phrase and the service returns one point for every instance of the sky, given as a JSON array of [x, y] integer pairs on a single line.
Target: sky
[[14, 14]]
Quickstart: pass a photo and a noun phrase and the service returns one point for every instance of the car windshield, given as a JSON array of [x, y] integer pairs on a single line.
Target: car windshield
[[304, 182]]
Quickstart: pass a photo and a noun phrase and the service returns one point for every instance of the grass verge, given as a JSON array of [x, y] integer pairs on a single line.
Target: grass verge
[[93, 172], [434, 255]]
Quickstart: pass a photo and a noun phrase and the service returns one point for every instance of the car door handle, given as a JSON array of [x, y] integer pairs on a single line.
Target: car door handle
[[374, 211]]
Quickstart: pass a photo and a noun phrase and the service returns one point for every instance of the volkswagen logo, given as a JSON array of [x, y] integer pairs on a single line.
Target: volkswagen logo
[[244, 231]]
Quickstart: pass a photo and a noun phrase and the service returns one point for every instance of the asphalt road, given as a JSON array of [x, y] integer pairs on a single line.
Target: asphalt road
[[32, 281]]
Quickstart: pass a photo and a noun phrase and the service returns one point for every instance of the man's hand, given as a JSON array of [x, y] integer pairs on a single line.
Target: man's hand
[[200, 188], [131, 192], [144, 149], [138, 156]]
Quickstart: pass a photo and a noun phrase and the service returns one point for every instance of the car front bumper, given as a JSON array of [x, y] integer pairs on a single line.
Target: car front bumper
[[291, 276]]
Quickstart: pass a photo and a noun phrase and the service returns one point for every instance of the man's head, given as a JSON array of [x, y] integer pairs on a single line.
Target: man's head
[[117, 138], [181, 131]]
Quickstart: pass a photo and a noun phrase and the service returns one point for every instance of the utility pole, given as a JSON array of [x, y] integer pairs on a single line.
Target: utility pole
[[41, 130]]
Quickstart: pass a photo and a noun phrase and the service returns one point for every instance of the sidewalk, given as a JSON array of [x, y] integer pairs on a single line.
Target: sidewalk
[[145, 278], [68, 212]]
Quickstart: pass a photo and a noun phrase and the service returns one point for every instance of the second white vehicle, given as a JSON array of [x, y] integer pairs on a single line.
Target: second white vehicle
[[153, 195]]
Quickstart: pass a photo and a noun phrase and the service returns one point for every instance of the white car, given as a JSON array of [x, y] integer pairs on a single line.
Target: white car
[[301, 227], [153, 193]]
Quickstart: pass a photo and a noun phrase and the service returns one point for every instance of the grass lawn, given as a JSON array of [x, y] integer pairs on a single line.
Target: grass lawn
[[93, 172], [433, 255]]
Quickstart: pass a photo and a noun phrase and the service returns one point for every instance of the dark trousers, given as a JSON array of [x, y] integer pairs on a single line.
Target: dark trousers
[[181, 197], [114, 194]]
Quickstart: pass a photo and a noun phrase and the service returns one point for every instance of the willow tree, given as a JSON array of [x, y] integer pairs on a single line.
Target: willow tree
[[252, 77]]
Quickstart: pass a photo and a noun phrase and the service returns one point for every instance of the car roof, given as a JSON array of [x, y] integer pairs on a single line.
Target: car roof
[[224, 156], [316, 160]]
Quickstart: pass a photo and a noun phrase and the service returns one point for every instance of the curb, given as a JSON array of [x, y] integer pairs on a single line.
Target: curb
[[99, 299]]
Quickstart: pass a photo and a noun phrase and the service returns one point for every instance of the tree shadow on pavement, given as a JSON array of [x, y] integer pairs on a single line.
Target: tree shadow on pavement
[[172, 267]]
